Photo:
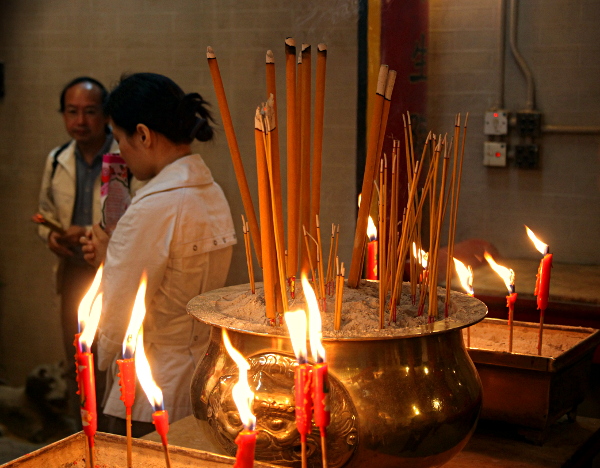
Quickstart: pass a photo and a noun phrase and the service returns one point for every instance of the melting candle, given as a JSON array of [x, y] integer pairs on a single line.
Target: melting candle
[[160, 416], [296, 323], [244, 399]]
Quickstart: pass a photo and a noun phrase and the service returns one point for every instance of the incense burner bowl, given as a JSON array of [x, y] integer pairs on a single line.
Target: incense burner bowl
[[410, 401]]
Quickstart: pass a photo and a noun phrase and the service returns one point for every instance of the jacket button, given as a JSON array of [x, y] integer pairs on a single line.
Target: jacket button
[[195, 247], [215, 242]]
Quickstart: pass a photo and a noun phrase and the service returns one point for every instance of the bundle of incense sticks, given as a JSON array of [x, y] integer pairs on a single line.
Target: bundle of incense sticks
[[440, 193], [279, 260]]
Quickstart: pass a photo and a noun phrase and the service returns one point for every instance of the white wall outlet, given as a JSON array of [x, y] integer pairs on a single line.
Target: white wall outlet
[[495, 123], [494, 153]]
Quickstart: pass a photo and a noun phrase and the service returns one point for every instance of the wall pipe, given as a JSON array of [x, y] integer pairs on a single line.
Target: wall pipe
[[519, 58], [501, 54]]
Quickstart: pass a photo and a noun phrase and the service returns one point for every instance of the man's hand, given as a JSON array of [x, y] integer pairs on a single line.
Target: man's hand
[[61, 244], [94, 245]]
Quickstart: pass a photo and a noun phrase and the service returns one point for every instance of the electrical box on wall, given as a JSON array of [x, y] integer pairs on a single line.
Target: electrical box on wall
[[527, 156], [529, 123], [494, 154], [495, 123]]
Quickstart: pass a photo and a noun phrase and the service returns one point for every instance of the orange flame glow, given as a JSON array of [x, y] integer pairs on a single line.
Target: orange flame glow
[[85, 306], [507, 275], [421, 256], [315, 333], [539, 245], [144, 374], [241, 392], [296, 324], [371, 230], [137, 318], [87, 335], [465, 275]]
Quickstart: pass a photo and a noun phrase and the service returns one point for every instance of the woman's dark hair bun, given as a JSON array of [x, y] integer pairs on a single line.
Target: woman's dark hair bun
[[200, 128], [159, 103]]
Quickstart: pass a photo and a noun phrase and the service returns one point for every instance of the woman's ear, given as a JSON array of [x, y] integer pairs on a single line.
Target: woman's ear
[[144, 134]]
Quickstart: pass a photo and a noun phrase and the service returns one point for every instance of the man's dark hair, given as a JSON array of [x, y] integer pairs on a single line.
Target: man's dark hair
[[83, 79]]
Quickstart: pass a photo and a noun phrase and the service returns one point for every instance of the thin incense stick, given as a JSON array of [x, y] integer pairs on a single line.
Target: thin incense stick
[[234, 151]]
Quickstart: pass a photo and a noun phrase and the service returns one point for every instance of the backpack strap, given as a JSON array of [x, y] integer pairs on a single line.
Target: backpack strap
[[55, 157]]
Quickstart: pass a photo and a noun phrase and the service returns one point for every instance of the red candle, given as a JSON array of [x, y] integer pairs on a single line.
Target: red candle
[[87, 392], [246, 441], [510, 303], [160, 418], [542, 283], [303, 398], [372, 250], [320, 396], [127, 381]]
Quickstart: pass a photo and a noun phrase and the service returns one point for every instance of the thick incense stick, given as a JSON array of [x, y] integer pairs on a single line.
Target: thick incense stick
[[305, 158], [234, 151], [274, 137], [266, 121], [317, 156], [266, 226], [389, 88], [293, 161], [367, 185], [381, 267]]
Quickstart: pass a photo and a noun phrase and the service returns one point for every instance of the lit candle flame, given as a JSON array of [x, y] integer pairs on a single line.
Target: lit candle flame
[[371, 230], [296, 324], [87, 335], [465, 275], [144, 374], [241, 392], [539, 245], [85, 306], [137, 318], [315, 333], [507, 274], [421, 256]]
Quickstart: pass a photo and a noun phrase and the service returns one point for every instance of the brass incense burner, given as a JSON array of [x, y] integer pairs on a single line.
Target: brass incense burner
[[408, 401]]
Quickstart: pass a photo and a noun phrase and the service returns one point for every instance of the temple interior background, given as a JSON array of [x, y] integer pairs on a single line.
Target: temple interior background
[[45, 44]]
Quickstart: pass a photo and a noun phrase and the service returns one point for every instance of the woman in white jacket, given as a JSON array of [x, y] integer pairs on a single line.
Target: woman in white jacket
[[178, 229]]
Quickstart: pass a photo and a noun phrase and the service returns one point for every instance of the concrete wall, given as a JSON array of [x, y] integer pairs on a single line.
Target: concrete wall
[[46, 43], [560, 201]]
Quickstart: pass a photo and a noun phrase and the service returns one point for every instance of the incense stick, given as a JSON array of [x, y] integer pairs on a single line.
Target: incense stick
[[274, 146], [367, 185], [266, 223], [293, 161], [246, 231], [305, 134], [234, 150], [317, 156]]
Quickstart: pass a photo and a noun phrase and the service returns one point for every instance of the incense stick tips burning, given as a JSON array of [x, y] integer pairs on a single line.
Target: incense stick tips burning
[[210, 53], [322, 48], [389, 87]]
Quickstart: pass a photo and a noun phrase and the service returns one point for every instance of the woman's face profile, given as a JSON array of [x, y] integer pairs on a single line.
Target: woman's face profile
[[133, 152]]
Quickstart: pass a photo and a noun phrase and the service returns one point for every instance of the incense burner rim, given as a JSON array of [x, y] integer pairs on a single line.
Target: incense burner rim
[[204, 309]]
